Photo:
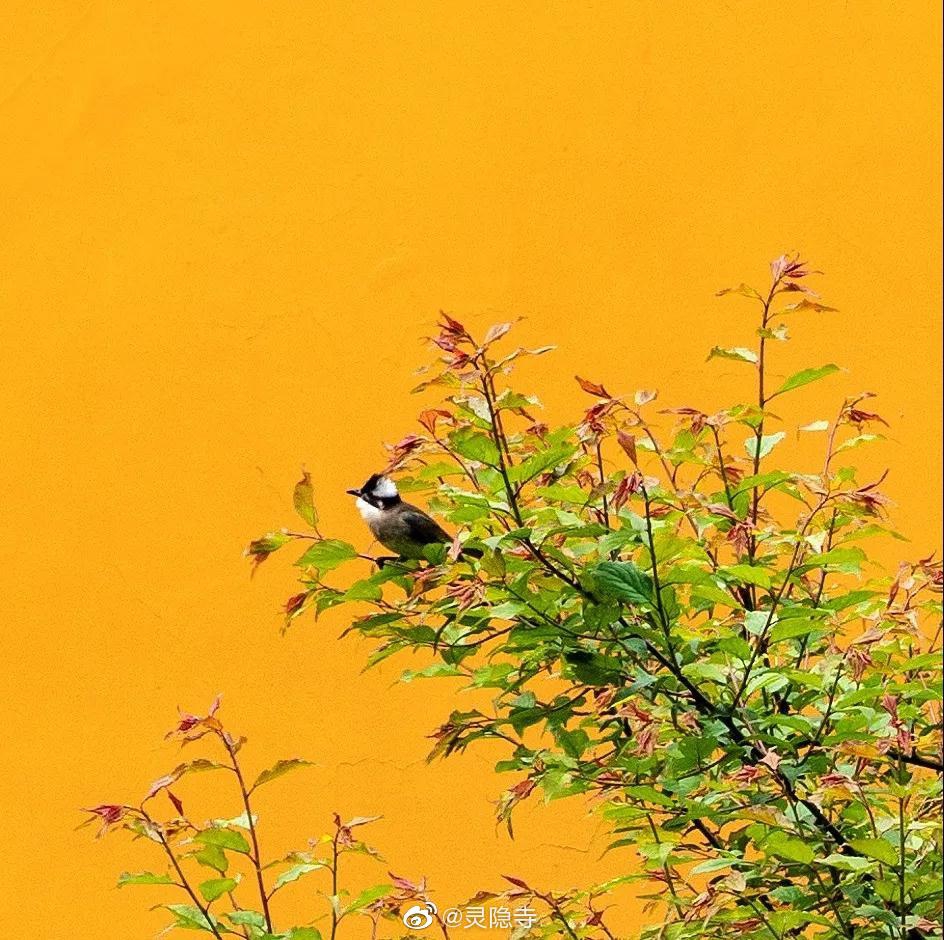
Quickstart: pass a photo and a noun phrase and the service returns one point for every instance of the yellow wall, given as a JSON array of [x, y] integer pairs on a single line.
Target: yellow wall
[[226, 226]]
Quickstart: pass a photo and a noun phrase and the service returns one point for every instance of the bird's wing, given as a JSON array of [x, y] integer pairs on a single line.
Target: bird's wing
[[422, 528]]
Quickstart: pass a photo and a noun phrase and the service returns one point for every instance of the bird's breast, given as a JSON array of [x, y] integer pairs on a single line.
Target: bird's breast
[[382, 524], [370, 514]]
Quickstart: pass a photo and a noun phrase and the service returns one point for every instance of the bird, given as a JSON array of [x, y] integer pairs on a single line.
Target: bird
[[398, 525]]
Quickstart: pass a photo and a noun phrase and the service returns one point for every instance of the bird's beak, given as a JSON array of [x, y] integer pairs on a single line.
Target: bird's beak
[[353, 492]]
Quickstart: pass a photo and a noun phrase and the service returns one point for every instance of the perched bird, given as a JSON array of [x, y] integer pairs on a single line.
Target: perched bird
[[397, 525]]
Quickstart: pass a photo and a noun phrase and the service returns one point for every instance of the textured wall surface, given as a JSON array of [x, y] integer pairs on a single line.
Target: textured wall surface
[[226, 227]]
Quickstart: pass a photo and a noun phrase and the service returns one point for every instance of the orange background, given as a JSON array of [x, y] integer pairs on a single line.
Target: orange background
[[225, 229]]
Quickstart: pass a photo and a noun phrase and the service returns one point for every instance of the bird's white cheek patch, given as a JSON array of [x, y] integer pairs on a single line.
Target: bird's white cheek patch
[[368, 513], [385, 488]]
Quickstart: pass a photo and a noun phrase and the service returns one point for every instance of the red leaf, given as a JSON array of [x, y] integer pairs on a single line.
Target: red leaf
[[720, 510], [628, 443], [430, 418], [591, 388], [517, 882], [199, 725], [522, 788], [631, 709], [739, 537], [789, 267], [404, 884], [621, 494], [108, 812], [451, 325], [858, 416], [405, 446], [798, 288], [890, 704], [480, 896]]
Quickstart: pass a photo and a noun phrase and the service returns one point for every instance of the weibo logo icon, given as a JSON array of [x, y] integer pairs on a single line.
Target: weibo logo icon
[[419, 916]]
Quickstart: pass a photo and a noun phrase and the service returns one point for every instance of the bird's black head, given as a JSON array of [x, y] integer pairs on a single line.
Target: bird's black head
[[379, 491]]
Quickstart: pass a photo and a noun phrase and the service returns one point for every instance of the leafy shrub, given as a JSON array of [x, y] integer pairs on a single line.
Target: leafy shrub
[[675, 624], [219, 863]]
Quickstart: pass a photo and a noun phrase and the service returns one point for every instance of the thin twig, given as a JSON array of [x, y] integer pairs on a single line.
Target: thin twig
[[255, 857], [184, 883]]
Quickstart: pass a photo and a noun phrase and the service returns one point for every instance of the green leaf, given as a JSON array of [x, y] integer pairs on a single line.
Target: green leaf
[[327, 554], [624, 581], [846, 560], [224, 839], [807, 304], [217, 887], [765, 679], [364, 590], [492, 676], [303, 933], [744, 289], [475, 446], [199, 765], [593, 668], [764, 481], [785, 921], [296, 872], [859, 439], [507, 610], [805, 377], [794, 850], [268, 543], [143, 878], [815, 426], [304, 499], [848, 862], [734, 352], [792, 628], [278, 769], [368, 896], [705, 670], [190, 918], [758, 621], [212, 856], [435, 670], [649, 794], [877, 849], [749, 574], [246, 919], [713, 864], [923, 661], [842, 601], [542, 461], [761, 448]]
